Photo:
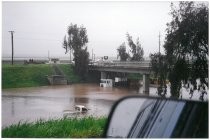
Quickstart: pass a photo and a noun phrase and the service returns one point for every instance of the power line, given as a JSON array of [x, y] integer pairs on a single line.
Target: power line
[[17, 38], [38, 39], [35, 33], [21, 38]]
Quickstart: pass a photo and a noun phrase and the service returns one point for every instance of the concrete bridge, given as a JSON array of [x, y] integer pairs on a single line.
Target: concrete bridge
[[142, 67]]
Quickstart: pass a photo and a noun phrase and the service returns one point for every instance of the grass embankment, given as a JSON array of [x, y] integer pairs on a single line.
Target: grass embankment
[[69, 73], [25, 75], [32, 75], [64, 128]]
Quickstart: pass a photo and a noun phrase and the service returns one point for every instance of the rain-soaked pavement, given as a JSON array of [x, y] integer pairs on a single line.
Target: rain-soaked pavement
[[30, 104]]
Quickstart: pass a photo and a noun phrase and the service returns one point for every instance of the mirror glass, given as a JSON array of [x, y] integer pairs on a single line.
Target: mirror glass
[[137, 117]]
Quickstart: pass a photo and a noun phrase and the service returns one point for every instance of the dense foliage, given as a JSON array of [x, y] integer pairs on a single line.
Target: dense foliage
[[186, 48], [136, 50], [159, 66], [76, 41], [122, 52]]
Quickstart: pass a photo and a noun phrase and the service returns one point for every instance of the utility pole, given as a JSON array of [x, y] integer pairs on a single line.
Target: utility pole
[[92, 54], [159, 57], [12, 45], [48, 55], [159, 42]]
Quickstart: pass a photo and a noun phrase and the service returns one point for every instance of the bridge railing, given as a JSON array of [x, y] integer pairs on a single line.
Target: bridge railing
[[122, 63]]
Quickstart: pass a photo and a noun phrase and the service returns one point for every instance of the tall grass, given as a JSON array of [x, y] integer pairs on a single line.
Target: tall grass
[[63, 128]]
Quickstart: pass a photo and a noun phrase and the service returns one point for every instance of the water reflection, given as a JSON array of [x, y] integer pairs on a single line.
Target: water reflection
[[80, 100], [26, 100], [30, 104], [12, 108]]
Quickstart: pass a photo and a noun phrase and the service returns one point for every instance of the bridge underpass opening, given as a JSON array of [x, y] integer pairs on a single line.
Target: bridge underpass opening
[[105, 75], [142, 67]]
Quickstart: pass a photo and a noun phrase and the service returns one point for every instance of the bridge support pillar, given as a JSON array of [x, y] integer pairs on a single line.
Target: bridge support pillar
[[146, 84], [103, 75]]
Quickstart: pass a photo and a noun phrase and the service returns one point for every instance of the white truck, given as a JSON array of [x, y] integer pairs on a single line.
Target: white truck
[[106, 83], [78, 109]]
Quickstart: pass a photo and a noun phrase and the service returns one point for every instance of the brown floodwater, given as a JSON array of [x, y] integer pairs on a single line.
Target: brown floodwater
[[49, 102]]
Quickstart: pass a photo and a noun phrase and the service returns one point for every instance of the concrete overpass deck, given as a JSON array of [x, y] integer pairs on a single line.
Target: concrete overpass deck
[[142, 67]]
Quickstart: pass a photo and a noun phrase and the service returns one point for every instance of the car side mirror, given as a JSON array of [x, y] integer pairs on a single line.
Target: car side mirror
[[147, 117]]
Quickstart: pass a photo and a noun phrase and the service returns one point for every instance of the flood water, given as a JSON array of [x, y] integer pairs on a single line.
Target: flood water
[[31, 104]]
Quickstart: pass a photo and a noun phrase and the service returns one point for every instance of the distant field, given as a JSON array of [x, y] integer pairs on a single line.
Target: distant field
[[32, 75], [63, 128]]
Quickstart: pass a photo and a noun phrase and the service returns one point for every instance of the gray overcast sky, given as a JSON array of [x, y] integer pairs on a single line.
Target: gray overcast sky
[[41, 26]]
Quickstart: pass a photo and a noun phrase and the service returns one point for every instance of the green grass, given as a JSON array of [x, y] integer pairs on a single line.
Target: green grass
[[63, 128], [32, 75], [68, 70], [25, 75]]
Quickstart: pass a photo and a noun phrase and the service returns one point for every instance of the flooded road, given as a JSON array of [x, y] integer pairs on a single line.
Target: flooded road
[[30, 104]]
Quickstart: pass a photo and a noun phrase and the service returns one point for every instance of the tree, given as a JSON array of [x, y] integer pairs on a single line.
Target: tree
[[136, 49], [67, 46], [159, 66], [76, 41], [81, 58], [122, 52], [186, 47]]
